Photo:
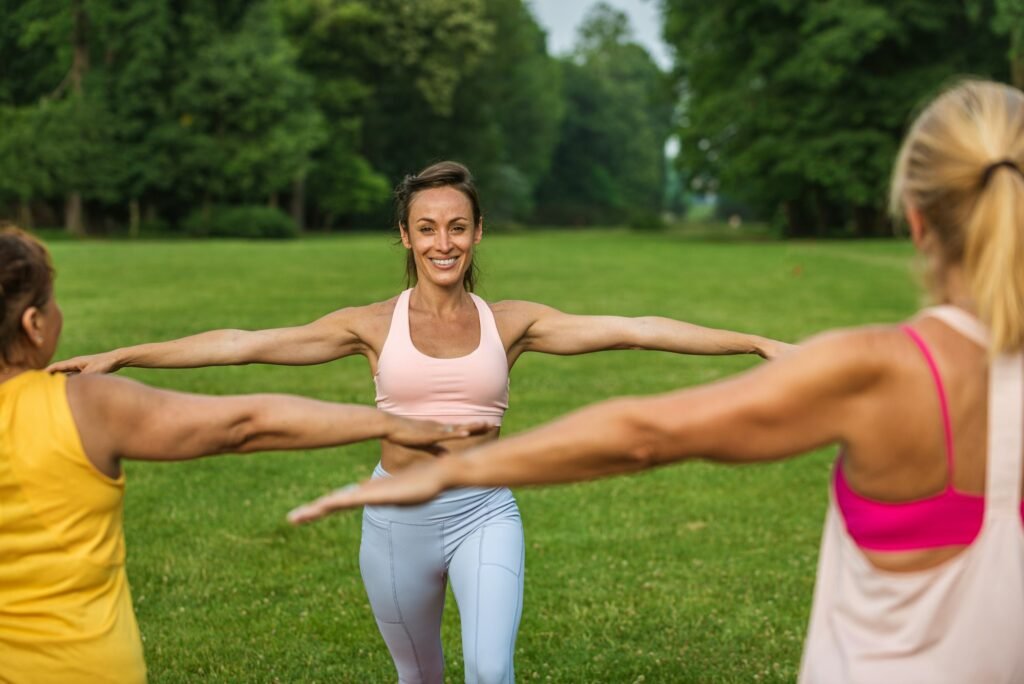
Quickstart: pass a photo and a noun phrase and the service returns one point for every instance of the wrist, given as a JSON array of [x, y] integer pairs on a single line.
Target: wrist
[[455, 470], [387, 424], [119, 359]]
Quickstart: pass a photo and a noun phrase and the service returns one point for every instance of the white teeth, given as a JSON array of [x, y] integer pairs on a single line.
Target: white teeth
[[444, 262]]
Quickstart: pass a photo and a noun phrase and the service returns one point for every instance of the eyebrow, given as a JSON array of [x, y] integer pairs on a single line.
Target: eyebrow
[[427, 219]]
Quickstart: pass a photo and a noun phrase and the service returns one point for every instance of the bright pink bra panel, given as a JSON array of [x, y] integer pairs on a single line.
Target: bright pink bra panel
[[946, 519]]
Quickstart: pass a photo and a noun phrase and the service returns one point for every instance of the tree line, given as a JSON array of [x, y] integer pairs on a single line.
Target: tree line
[[164, 112], [179, 115], [794, 109]]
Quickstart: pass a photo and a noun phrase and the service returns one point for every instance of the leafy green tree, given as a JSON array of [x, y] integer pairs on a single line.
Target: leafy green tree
[[796, 107], [249, 123], [137, 42], [336, 49], [609, 164], [1006, 17]]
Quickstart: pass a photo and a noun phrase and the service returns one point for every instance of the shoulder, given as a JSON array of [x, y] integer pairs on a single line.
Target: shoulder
[[367, 323], [364, 316], [856, 356], [365, 311], [518, 309], [96, 393]]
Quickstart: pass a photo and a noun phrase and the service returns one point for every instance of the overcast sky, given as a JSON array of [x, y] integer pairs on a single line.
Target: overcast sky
[[561, 17]]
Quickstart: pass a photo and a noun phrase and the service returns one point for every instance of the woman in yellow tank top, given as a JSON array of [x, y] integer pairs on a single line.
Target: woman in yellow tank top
[[65, 609]]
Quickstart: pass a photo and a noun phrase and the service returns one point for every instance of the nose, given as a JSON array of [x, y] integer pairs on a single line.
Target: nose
[[444, 242]]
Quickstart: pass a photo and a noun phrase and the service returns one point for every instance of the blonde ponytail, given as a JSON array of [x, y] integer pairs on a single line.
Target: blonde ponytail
[[994, 258], [962, 166]]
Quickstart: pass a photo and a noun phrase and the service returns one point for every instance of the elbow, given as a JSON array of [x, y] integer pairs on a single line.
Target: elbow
[[243, 434], [645, 439], [642, 457]]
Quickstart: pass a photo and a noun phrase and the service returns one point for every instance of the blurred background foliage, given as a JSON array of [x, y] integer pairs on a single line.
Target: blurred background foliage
[[157, 117]]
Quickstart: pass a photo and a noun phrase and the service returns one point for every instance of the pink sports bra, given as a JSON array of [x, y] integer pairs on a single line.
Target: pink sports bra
[[945, 519], [471, 387]]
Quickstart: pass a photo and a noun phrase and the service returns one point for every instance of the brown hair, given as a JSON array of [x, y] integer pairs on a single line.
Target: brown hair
[[962, 166], [26, 279], [446, 174]]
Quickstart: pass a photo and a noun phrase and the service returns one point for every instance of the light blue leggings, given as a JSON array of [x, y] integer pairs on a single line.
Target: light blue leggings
[[474, 537]]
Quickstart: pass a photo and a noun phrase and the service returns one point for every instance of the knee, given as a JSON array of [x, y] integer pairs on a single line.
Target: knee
[[491, 670]]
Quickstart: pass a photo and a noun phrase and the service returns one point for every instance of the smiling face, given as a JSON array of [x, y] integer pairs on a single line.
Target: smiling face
[[440, 235]]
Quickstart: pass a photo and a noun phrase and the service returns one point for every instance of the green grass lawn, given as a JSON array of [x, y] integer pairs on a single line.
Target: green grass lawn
[[695, 573]]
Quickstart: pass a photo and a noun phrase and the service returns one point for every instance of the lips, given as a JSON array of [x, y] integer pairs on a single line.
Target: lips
[[444, 263]]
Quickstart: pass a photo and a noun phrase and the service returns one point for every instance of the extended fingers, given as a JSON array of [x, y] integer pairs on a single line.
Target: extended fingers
[[337, 500]]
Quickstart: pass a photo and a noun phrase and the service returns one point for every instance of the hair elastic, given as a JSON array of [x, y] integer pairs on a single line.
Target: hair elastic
[[991, 168]]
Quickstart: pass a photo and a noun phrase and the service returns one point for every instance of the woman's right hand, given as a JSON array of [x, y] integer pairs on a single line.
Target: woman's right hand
[[426, 434], [105, 362]]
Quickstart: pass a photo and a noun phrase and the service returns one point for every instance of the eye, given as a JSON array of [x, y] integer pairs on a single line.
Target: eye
[[458, 229], [426, 230]]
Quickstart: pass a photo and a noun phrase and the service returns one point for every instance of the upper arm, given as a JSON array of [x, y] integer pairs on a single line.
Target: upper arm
[[120, 418], [548, 330], [820, 393], [328, 338]]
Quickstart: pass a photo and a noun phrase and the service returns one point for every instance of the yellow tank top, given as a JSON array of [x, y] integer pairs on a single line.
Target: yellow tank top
[[65, 609]]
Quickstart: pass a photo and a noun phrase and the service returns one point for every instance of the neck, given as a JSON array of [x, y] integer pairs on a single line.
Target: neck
[[437, 299], [8, 372], [953, 289]]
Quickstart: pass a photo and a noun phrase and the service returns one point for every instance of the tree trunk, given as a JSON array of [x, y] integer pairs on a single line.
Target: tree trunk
[[273, 201], [134, 220], [299, 202], [867, 221], [74, 219], [24, 214], [820, 215]]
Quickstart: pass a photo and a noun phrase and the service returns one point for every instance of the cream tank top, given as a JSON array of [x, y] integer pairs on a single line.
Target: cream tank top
[[472, 387], [959, 622]]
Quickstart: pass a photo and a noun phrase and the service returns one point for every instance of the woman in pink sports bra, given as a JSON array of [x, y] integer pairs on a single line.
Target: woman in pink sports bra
[[438, 350], [921, 571]]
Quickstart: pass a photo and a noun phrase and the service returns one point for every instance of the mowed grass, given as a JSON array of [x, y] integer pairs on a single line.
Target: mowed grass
[[692, 573]]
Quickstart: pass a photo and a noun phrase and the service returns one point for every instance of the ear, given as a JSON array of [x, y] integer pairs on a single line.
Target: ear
[[919, 231], [403, 231], [32, 325], [478, 232]]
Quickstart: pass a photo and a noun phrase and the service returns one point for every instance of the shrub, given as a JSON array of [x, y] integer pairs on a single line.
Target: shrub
[[246, 221]]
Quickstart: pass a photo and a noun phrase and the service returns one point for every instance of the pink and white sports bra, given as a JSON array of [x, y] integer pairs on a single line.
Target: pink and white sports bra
[[471, 387], [948, 518]]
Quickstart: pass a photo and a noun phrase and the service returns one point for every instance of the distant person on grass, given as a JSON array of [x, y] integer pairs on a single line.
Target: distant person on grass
[[921, 571], [65, 610], [437, 350]]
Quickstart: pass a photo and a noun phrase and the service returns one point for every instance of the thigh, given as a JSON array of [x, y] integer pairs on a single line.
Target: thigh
[[403, 570], [486, 573]]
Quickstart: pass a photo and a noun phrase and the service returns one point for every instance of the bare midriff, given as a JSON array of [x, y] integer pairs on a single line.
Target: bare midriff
[[910, 561], [395, 458]]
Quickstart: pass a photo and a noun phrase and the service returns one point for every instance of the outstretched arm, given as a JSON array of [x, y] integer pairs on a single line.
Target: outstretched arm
[[808, 399], [555, 332], [325, 339], [119, 418]]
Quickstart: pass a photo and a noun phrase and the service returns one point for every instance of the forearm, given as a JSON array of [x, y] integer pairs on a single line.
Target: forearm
[[666, 334], [278, 422], [212, 348], [597, 441]]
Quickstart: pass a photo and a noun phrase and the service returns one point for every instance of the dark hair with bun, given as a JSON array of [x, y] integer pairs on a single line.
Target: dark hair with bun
[[26, 280]]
